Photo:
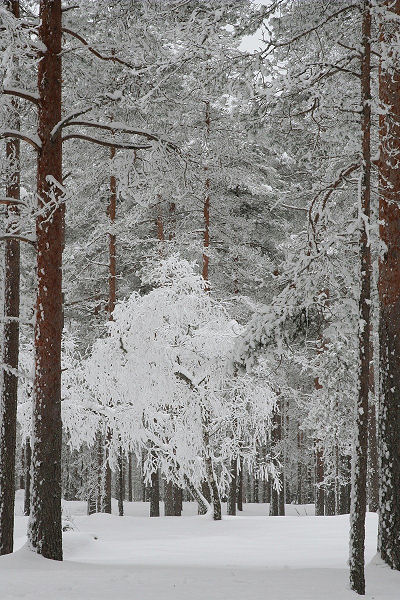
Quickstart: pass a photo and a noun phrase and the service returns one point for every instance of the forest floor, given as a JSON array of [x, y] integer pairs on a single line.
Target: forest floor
[[251, 557]]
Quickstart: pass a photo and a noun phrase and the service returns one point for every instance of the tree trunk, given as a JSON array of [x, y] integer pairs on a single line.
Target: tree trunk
[[121, 490], [373, 479], [329, 496], [9, 384], [27, 499], [178, 493], [389, 288], [319, 478], [240, 487], [155, 495], [169, 505], [276, 435], [44, 531], [206, 204], [281, 498], [360, 452], [130, 487], [274, 502], [232, 489]]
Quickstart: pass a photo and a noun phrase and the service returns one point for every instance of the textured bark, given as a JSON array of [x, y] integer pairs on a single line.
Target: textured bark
[[345, 490], [44, 531], [330, 504], [281, 499], [28, 460], [169, 508], [9, 384], [130, 486], [275, 506], [373, 478], [359, 472], [155, 495], [232, 489], [240, 486], [206, 206], [319, 478], [274, 502], [389, 289], [121, 486], [112, 297], [178, 501]]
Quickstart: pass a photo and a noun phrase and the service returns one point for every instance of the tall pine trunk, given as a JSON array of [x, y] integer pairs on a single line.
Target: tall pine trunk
[[360, 451], [44, 532], [232, 489], [389, 288], [9, 384], [28, 461]]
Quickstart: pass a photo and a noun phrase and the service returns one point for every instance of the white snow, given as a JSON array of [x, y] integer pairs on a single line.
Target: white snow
[[297, 557]]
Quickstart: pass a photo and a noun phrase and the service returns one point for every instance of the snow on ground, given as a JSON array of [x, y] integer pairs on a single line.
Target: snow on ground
[[251, 557]]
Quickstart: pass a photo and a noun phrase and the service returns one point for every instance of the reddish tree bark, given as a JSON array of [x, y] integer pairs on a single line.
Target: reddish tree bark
[[319, 478], [9, 384], [206, 206], [389, 288], [44, 530], [28, 461], [359, 481]]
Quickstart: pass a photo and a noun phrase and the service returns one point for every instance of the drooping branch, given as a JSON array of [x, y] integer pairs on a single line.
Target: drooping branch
[[108, 144], [20, 238], [329, 191], [12, 201], [67, 119], [21, 136], [116, 127], [24, 94], [274, 45], [85, 43]]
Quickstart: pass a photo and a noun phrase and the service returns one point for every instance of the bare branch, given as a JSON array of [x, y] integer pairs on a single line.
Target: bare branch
[[112, 144], [20, 238], [12, 201], [308, 31], [111, 58], [67, 8], [20, 136], [115, 127], [21, 94], [66, 120]]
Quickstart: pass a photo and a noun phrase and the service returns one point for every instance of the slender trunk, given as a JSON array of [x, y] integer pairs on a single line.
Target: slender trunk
[[169, 507], [178, 505], [206, 204], [155, 495], [9, 384], [232, 489], [345, 489], [240, 487], [329, 500], [28, 457], [359, 471], [44, 531], [389, 288], [274, 502], [121, 490], [276, 434], [281, 498], [319, 478], [22, 472], [130, 487], [373, 480]]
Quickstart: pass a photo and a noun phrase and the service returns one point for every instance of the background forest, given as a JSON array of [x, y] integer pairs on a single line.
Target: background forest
[[199, 222]]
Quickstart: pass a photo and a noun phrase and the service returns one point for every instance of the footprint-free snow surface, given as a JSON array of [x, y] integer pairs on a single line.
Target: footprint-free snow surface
[[249, 557]]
